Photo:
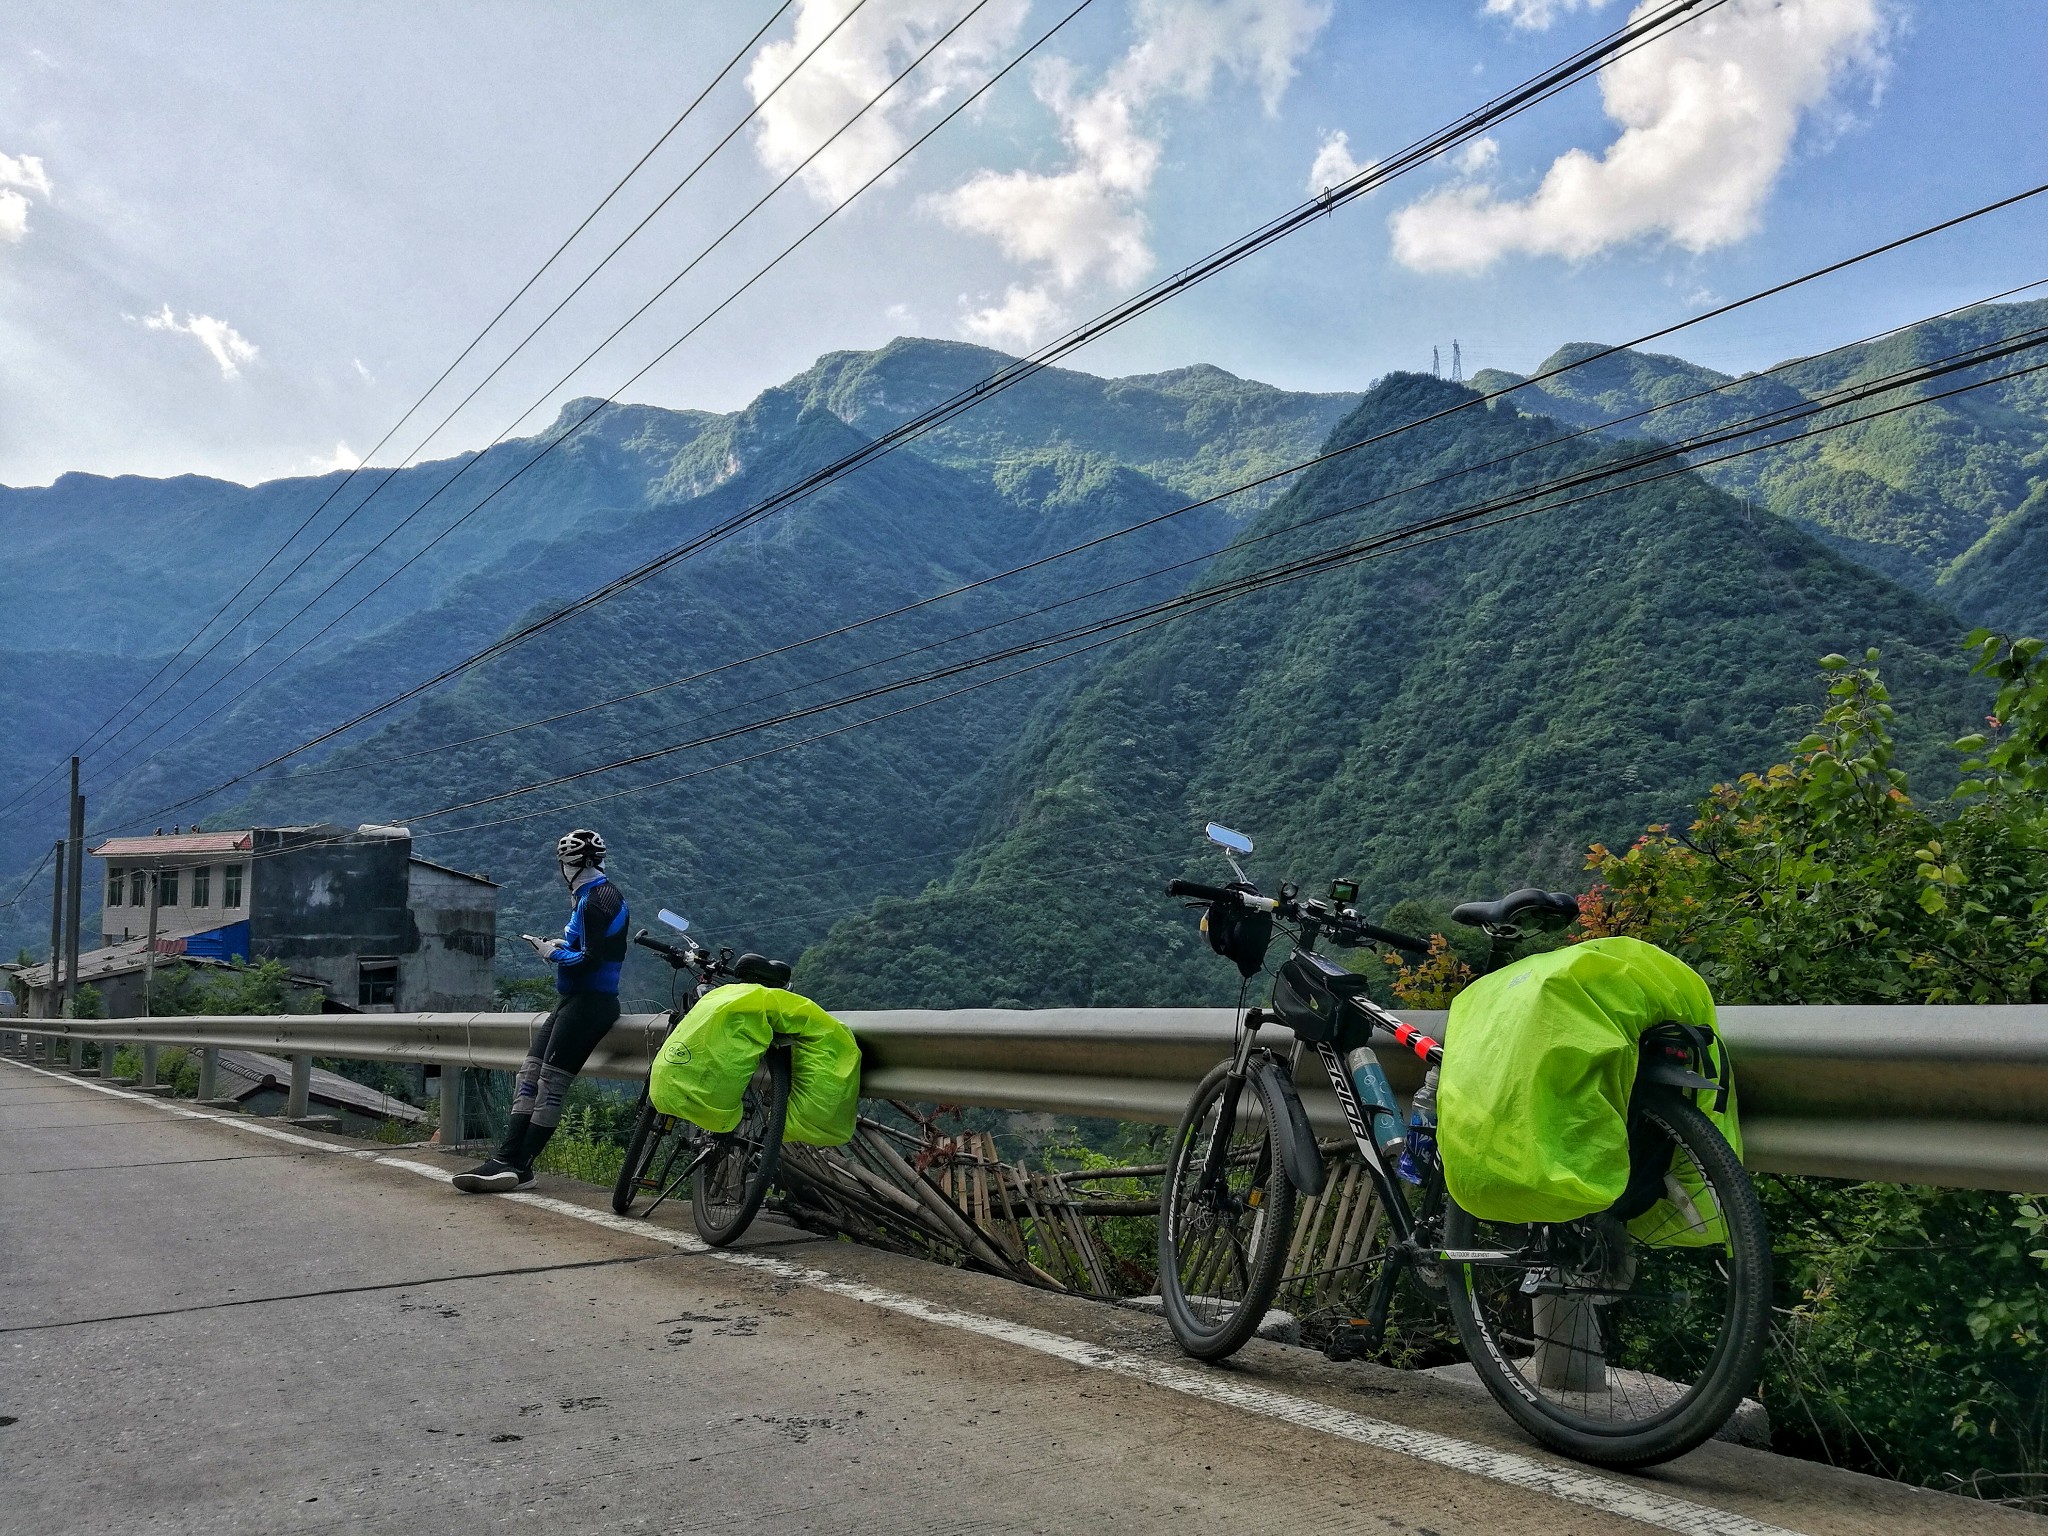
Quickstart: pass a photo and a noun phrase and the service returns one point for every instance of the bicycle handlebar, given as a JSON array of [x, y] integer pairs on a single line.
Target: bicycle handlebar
[[1387, 936], [1245, 899], [668, 952]]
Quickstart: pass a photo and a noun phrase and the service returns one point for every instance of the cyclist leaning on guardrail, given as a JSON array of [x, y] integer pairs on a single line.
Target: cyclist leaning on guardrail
[[586, 959]]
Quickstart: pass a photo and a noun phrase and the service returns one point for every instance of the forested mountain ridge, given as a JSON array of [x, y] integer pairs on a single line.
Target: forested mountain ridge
[[1438, 723], [774, 846], [1947, 497], [1199, 430], [108, 574]]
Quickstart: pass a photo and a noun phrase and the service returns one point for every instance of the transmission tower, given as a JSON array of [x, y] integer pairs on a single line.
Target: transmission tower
[[1457, 363]]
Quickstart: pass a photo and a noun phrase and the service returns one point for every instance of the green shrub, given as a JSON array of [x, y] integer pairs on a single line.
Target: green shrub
[[1914, 1322]]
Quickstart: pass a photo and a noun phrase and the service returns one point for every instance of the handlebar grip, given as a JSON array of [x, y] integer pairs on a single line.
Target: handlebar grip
[[1398, 940], [1199, 892], [645, 942]]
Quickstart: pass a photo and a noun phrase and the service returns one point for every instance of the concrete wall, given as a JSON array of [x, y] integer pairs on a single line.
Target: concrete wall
[[456, 920], [321, 899]]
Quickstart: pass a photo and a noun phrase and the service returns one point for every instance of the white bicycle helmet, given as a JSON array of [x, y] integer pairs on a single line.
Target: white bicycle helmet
[[580, 849]]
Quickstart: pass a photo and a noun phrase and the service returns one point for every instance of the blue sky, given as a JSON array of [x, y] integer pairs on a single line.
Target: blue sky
[[240, 239]]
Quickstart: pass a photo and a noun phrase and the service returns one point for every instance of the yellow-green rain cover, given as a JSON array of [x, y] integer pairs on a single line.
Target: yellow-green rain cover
[[703, 1068], [1532, 1100]]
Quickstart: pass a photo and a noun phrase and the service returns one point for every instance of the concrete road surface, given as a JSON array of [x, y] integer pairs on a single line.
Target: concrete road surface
[[218, 1326]]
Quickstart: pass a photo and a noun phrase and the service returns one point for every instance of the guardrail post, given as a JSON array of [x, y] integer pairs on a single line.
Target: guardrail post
[[77, 1054], [451, 1103], [149, 1055], [209, 1073], [302, 1085]]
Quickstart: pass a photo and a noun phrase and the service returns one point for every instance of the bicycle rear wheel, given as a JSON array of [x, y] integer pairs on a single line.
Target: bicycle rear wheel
[[733, 1180], [1221, 1250], [1625, 1342]]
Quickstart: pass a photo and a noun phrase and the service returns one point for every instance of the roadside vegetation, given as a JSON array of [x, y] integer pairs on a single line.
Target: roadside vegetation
[[1912, 1332]]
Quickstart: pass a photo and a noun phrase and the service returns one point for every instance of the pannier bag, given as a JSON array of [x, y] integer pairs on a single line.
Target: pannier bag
[[1532, 1101], [702, 1070]]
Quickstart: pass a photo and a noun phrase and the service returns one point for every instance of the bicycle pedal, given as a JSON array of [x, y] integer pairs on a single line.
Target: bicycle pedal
[[1352, 1339]]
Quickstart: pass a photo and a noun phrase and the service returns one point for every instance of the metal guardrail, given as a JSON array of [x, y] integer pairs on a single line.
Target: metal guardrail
[[1926, 1095]]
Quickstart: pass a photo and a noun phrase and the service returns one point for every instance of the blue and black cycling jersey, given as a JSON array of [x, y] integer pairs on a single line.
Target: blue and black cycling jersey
[[594, 940]]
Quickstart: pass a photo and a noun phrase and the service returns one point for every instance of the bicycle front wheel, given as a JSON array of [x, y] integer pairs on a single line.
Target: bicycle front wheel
[[640, 1150], [1222, 1247], [1625, 1342], [734, 1177]]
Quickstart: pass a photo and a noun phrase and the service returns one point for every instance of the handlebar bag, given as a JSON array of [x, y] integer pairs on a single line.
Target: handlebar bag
[[1539, 1063], [702, 1070]]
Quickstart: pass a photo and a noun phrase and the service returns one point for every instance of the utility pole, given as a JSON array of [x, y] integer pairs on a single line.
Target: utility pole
[[149, 954], [73, 894], [56, 992]]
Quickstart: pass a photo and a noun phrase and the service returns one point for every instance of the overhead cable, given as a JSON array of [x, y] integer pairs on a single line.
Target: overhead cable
[[1588, 61], [424, 396]]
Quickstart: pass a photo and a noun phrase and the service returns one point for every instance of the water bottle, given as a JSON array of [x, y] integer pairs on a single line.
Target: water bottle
[[1375, 1098], [1418, 1157]]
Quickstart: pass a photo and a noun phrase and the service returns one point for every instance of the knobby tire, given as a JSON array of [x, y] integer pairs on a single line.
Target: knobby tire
[[1736, 1354], [1198, 1325]]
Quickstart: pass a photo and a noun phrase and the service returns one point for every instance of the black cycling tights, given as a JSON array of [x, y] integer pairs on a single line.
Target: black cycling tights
[[559, 1049]]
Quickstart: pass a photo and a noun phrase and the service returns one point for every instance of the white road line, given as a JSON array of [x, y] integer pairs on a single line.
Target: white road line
[[1573, 1485]]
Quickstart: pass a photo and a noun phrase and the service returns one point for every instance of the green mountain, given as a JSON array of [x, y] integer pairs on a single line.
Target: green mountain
[[1436, 722], [1946, 498], [1441, 723], [1047, 471]]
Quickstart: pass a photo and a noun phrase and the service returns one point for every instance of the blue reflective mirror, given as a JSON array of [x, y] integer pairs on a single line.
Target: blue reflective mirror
[[680, 924], [1233, 842]]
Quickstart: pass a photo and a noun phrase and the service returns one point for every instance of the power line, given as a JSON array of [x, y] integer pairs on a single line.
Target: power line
[[1586, 62], [1409, 489], [427, 394], [1772, 291], [607, 401], [1453, 524], [1429, 530], [30, 880], [470, 461]]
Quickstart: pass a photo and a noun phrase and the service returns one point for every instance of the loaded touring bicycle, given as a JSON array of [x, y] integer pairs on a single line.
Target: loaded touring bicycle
[[1626, 1335]]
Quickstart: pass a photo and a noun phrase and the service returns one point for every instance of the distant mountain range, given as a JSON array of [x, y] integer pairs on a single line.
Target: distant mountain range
[[1436, 722]]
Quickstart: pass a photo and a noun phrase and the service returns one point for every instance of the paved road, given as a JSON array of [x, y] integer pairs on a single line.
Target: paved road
[[204, 1327]]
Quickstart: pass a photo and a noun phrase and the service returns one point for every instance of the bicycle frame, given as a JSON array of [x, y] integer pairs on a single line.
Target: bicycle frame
[[1403, 1248]]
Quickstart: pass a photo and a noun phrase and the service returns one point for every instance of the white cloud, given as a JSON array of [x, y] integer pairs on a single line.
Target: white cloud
[[1086, 222], [227, 346], [361, 372], [344, 459], [19, 176], [1024, 315], [1536, 15], [851, 69], [1476, 156], [1333, 164], [1708, 115]]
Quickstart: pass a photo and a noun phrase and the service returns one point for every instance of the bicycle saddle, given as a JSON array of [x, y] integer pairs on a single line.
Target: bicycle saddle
[[761, 970], [1495, 914]]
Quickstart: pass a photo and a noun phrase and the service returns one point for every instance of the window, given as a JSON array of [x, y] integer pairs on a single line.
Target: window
[[202, 886], [231, 886], [138, 887], [376, 983], [117, 884], [167, 887]]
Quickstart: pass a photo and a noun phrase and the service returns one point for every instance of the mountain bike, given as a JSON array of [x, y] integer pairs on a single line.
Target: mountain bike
[[1624, 1338], [728, 1171]]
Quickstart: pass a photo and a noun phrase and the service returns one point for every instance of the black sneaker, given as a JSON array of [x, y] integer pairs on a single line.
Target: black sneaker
[[494, 1177]]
